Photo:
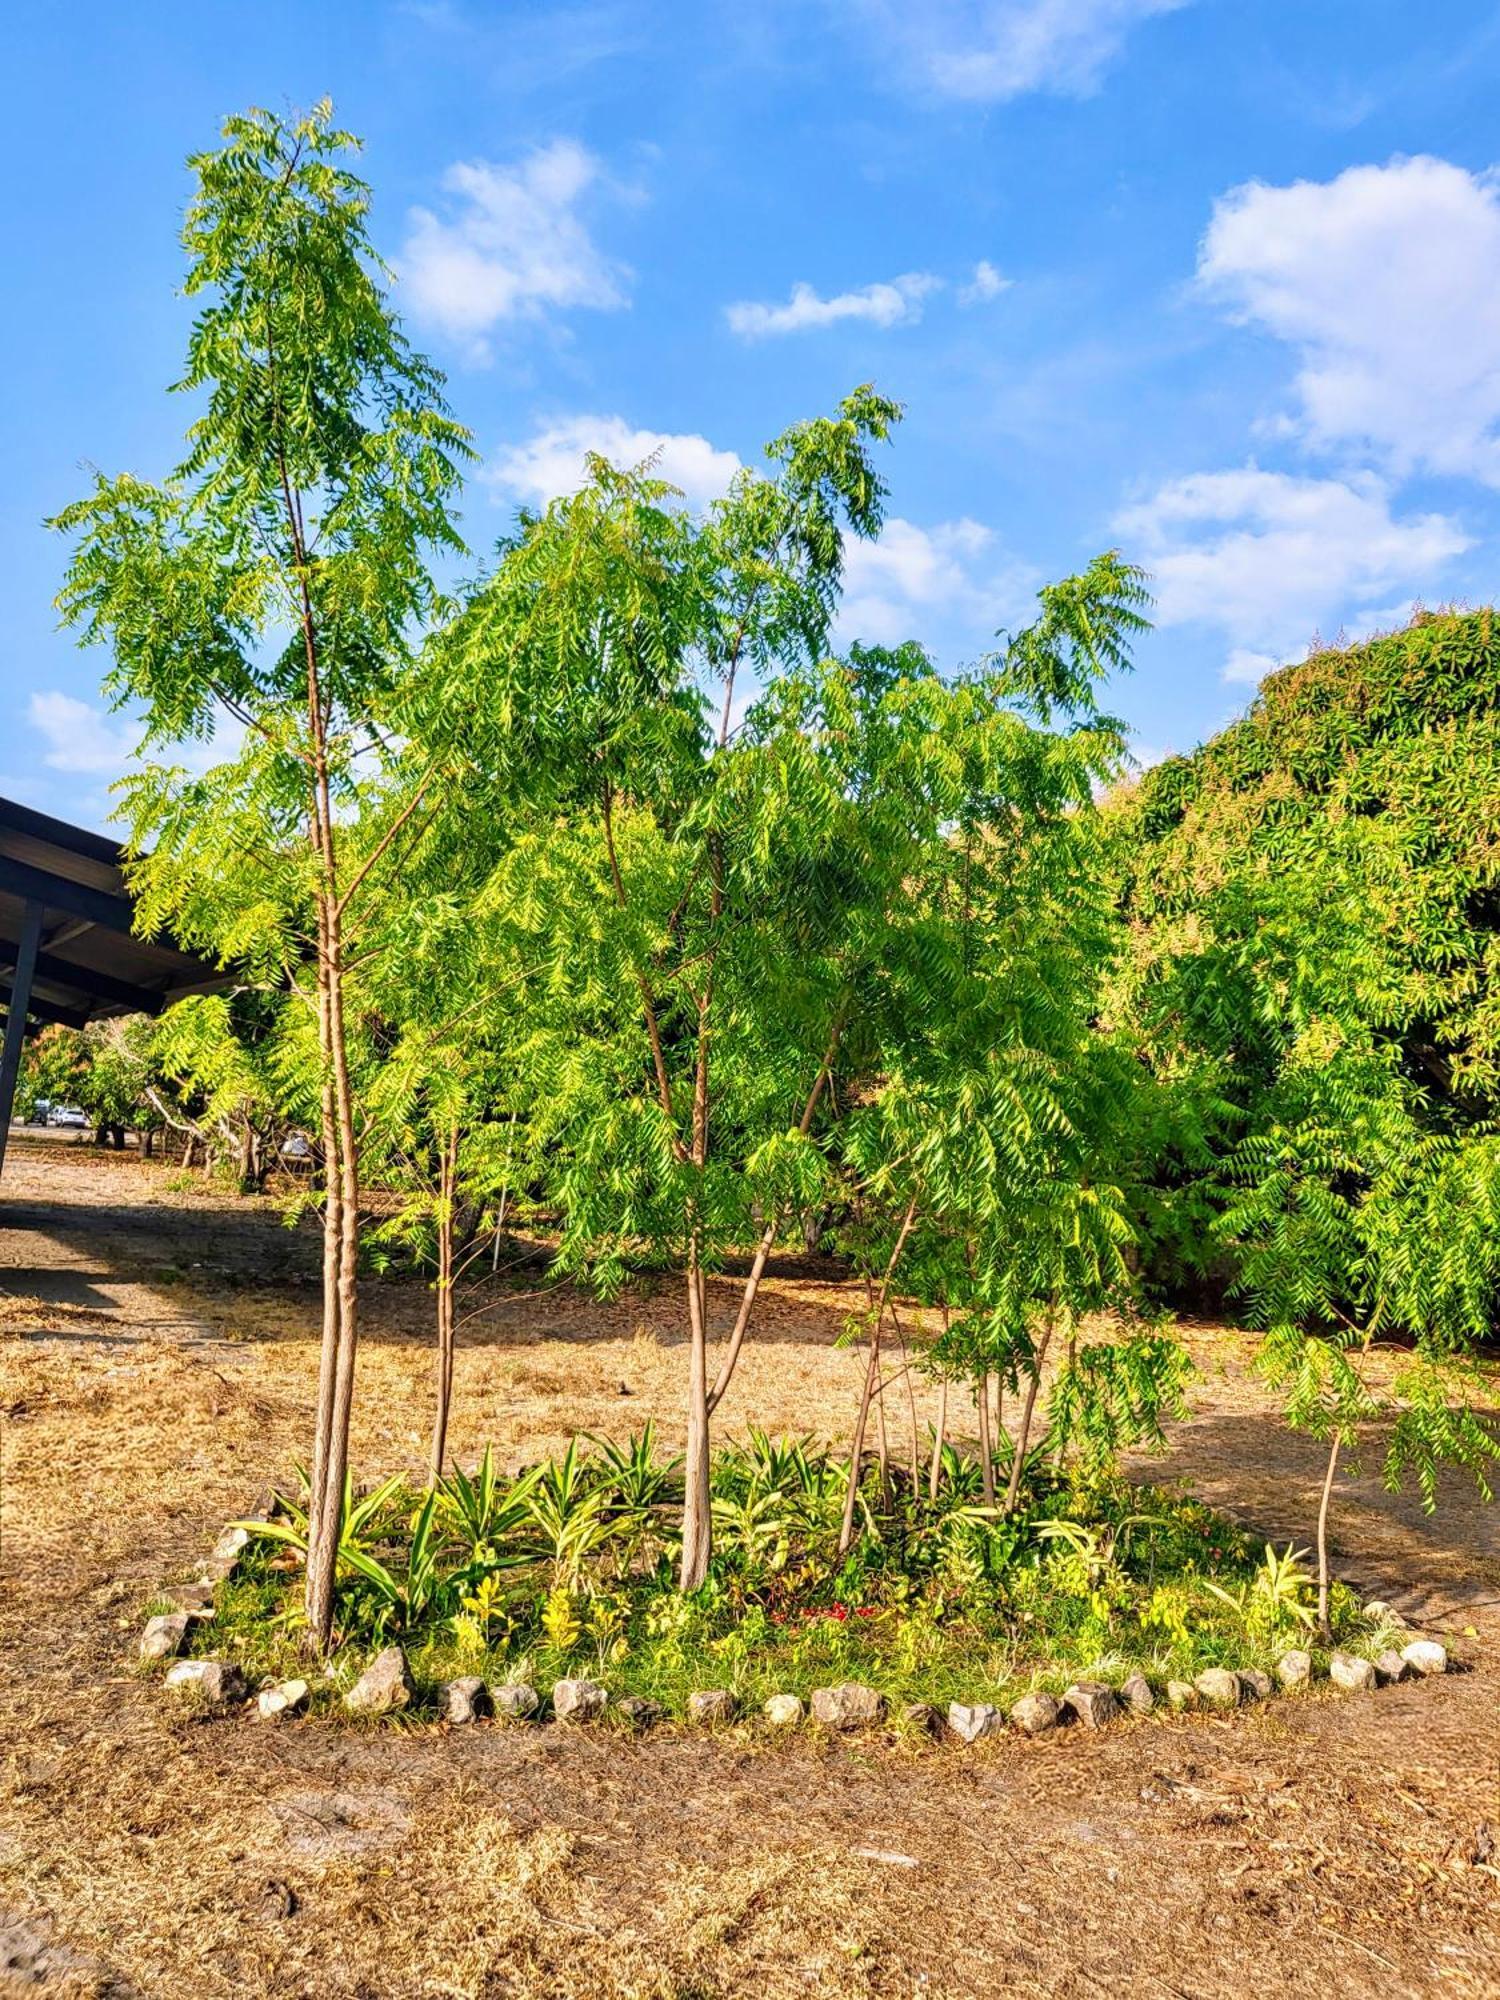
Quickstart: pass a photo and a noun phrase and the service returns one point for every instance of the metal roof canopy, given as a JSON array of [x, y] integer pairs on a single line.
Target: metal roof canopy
[[67, 949]]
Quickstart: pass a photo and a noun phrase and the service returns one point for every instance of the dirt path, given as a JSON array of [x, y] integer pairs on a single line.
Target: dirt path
[[156, 1360]]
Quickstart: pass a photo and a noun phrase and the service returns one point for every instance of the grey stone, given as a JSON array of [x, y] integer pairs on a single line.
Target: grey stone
[[706, 1706], [283, 1698], [848, 1706], [384, 1685], [1136, 1695], [1294, 1669], [971, 1720], [1181, 1694], [1389, 1666], [216, 1683], [196, 1599], [639, 1712], [1092, 1703], [921, 1715], [1426, 1656], [1035, 1712], [1351, 1674], [464, 1700], [784, 1711], [165, 1636], [1219, 1687], [1380, 1613], [231, 1545], [578, 1701], [1255, 1685], [516, 1700]]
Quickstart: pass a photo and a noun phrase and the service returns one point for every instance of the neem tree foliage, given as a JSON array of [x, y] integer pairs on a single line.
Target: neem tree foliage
[[1315, 903]]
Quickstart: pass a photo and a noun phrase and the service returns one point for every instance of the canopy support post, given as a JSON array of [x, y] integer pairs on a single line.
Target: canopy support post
[[15, 1019]]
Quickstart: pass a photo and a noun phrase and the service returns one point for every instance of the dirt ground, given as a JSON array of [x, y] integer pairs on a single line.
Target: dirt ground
[[157, 1360]]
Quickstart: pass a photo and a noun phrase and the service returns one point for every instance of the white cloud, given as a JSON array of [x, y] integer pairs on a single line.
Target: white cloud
[[952, 576], [987, 283], [1387, 282], [513, 246], [551, 461], [1267, 559], [84, 740], [889, 304], [990, 50], [80, 738]]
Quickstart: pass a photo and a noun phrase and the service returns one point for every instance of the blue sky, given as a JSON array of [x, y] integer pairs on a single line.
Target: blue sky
[[1217, 281]]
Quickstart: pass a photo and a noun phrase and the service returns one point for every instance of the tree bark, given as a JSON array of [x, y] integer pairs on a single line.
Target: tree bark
[[1325, 1627], [935, 1474], [986, 1442], [1028, 1408], [447, 1181], [697, 1514], [872, 1375]]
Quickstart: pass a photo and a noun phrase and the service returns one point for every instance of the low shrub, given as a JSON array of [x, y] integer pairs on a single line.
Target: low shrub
[[568, 1569]]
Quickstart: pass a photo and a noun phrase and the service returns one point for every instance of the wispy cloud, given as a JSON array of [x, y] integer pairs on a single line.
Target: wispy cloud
[[953, 583], [896, 302], [552, 460], [80, 739], [987, 283], [1266, 559], [991, 50], [513, 244]]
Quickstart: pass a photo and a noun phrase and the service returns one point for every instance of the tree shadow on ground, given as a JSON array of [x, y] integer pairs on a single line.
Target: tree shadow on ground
[[1440, 1568]]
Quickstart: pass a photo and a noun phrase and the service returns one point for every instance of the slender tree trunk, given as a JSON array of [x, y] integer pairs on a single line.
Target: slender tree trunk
[[1325, 1626], [986, 1442], [857, 1449], [697, 1515], [872, 1376], [1023, 1440], [447, 1181], [935, 1473]]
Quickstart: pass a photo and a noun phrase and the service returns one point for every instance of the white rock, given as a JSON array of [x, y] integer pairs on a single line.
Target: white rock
[[1254, 1684], [578, 1701], [384, 1685], [515, 1699], [216, 1682], [707, 1706], [464, 1700], [164, 1637], [1181, 1694], [1294, 1669], [1426, 1656], [1036, 1712], [1389, 1667], [850, 1705], [282, 1698], [1136, 1694], [1219, 1687], [1350, 1673], [1093, 1703], [971, 1720], [784, 1711]]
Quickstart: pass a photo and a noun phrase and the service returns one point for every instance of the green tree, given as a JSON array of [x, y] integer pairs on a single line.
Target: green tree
[[280, 578]]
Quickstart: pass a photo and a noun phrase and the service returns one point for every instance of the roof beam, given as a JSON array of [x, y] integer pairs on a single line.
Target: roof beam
[[56, 892], [47, 1010], [55, 971]]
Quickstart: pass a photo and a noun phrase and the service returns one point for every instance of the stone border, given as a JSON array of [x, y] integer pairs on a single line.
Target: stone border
[[386, 1685]]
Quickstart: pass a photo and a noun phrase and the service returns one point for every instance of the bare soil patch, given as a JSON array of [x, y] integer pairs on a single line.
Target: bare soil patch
[[157, 1361]]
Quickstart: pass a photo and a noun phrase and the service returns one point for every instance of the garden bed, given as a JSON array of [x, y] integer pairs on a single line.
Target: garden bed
[[553, 1592]]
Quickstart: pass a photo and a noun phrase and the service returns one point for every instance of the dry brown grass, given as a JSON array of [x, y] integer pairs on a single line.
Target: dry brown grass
[[157, 1369]]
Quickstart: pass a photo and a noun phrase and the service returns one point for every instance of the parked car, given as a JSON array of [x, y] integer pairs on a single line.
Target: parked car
[[69, 1115]]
